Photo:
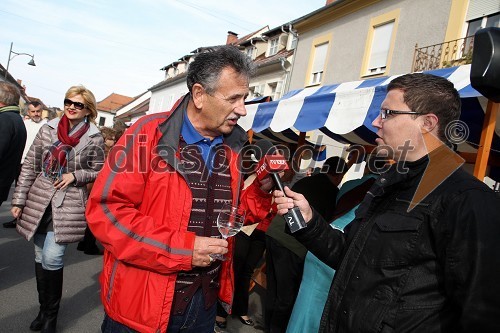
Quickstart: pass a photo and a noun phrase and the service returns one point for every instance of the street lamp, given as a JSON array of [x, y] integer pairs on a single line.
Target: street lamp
[[31, 62]]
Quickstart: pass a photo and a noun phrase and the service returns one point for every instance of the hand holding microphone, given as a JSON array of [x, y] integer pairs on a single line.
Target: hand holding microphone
[[272, 164], [288, 199]]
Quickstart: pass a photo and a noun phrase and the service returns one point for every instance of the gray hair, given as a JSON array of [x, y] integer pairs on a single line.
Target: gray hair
[[9, 94], [207, 66]]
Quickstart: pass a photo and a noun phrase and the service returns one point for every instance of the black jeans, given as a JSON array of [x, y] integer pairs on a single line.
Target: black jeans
[[247, 254], [283, 274]]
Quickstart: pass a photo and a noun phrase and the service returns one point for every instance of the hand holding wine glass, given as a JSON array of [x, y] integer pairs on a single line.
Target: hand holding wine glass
[[229, 223]]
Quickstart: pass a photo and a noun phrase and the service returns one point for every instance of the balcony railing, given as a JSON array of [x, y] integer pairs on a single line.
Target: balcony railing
[[448, 54]]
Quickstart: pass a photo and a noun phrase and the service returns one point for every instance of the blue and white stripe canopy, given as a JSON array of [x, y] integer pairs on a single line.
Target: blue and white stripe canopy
[[345, 111]]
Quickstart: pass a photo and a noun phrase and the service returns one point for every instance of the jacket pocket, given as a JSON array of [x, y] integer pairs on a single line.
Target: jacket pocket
[[392, 240], [370, 316]]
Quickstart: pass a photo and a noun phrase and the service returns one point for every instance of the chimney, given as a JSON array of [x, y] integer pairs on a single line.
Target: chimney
[[232, 37], [329, 2]]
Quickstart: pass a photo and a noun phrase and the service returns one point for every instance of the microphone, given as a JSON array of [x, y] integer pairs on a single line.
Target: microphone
[[273, 165]]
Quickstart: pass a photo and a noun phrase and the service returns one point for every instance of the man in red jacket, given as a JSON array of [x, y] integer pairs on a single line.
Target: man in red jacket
[[155, 203]]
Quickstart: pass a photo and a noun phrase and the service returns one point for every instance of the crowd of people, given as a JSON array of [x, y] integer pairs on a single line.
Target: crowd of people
[[410, 246]]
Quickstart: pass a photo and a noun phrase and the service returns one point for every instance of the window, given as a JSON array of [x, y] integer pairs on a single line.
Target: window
[[257, 91], [276, 89], [380, 43], [483, 22], [250, 52], [293, 43], [273, 47], [102, 121], [318, 66]]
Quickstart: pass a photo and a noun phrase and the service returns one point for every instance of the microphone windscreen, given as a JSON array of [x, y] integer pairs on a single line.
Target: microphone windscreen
[[262, 148]]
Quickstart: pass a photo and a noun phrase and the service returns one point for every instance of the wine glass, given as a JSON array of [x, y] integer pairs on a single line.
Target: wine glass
[[229, 223]]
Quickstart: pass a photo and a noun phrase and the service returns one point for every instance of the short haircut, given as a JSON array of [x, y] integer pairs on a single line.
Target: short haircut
[[34, 103], [88, 97], [207, 66], [426, 93], [334, 166], [9, 94]]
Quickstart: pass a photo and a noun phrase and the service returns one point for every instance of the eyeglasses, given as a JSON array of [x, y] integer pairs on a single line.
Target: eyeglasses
[[386, 112], [78, 105]]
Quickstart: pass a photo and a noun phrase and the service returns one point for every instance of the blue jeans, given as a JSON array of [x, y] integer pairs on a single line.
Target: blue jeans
[[196, 319], [48, 252], [111, 326]]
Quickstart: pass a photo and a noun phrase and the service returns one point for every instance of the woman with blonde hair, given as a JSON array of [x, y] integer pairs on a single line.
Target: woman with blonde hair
[[51, 194]]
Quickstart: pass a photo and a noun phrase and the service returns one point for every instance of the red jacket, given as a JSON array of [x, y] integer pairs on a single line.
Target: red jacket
[[139, 210]]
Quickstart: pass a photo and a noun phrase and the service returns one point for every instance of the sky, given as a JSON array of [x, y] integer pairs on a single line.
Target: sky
[[120, 46]]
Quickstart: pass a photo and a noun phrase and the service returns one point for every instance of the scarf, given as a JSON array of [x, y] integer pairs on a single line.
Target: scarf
[[54, 164], [10, 108]]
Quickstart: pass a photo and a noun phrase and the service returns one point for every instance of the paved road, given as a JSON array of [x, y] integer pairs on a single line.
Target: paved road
[[81, 309]]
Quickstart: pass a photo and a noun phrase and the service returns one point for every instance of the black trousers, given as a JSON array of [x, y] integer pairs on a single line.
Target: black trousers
[[247, 254], [283, 274], [248, 251]]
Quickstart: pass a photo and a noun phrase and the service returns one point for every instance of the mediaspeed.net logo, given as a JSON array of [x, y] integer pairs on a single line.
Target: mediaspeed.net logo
[[443, 161]]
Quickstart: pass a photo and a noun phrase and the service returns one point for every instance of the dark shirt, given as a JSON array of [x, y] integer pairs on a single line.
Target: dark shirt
[[320, 192]]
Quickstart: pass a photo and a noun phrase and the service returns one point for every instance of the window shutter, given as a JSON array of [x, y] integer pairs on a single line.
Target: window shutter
[[319, 58], [480, 8], [380, 45]]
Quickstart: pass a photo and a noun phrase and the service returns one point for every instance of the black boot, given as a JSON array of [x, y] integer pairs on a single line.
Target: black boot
[[53, 299], [36, 325]]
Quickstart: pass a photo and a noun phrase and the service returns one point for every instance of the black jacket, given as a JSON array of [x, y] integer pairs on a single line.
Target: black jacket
[[12, 141], [435, 268]]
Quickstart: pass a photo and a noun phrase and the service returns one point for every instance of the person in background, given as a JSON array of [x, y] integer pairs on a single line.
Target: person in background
[[109, 136], [51, 193], [317, 276], [422, 254], [285, 256], [12, 137], [88, 243], [120, 127], [51, 114], [33, 124], [321, 187], [250, 244], [154, 206]]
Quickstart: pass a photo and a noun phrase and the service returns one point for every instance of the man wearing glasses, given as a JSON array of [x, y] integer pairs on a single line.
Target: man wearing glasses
[[155, 203], [33, 124], [422, 254]]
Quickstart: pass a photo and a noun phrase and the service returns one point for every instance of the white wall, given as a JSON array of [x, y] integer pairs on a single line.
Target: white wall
[[108, 116], [163, 100], [134, 103]]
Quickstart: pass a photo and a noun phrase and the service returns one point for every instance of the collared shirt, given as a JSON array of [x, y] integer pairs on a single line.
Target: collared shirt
[[192, 137]]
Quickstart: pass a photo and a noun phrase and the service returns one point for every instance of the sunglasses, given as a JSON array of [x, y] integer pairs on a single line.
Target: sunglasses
[[78, 105]]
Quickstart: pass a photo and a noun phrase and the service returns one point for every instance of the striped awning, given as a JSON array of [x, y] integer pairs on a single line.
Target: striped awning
[[345, 111]]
